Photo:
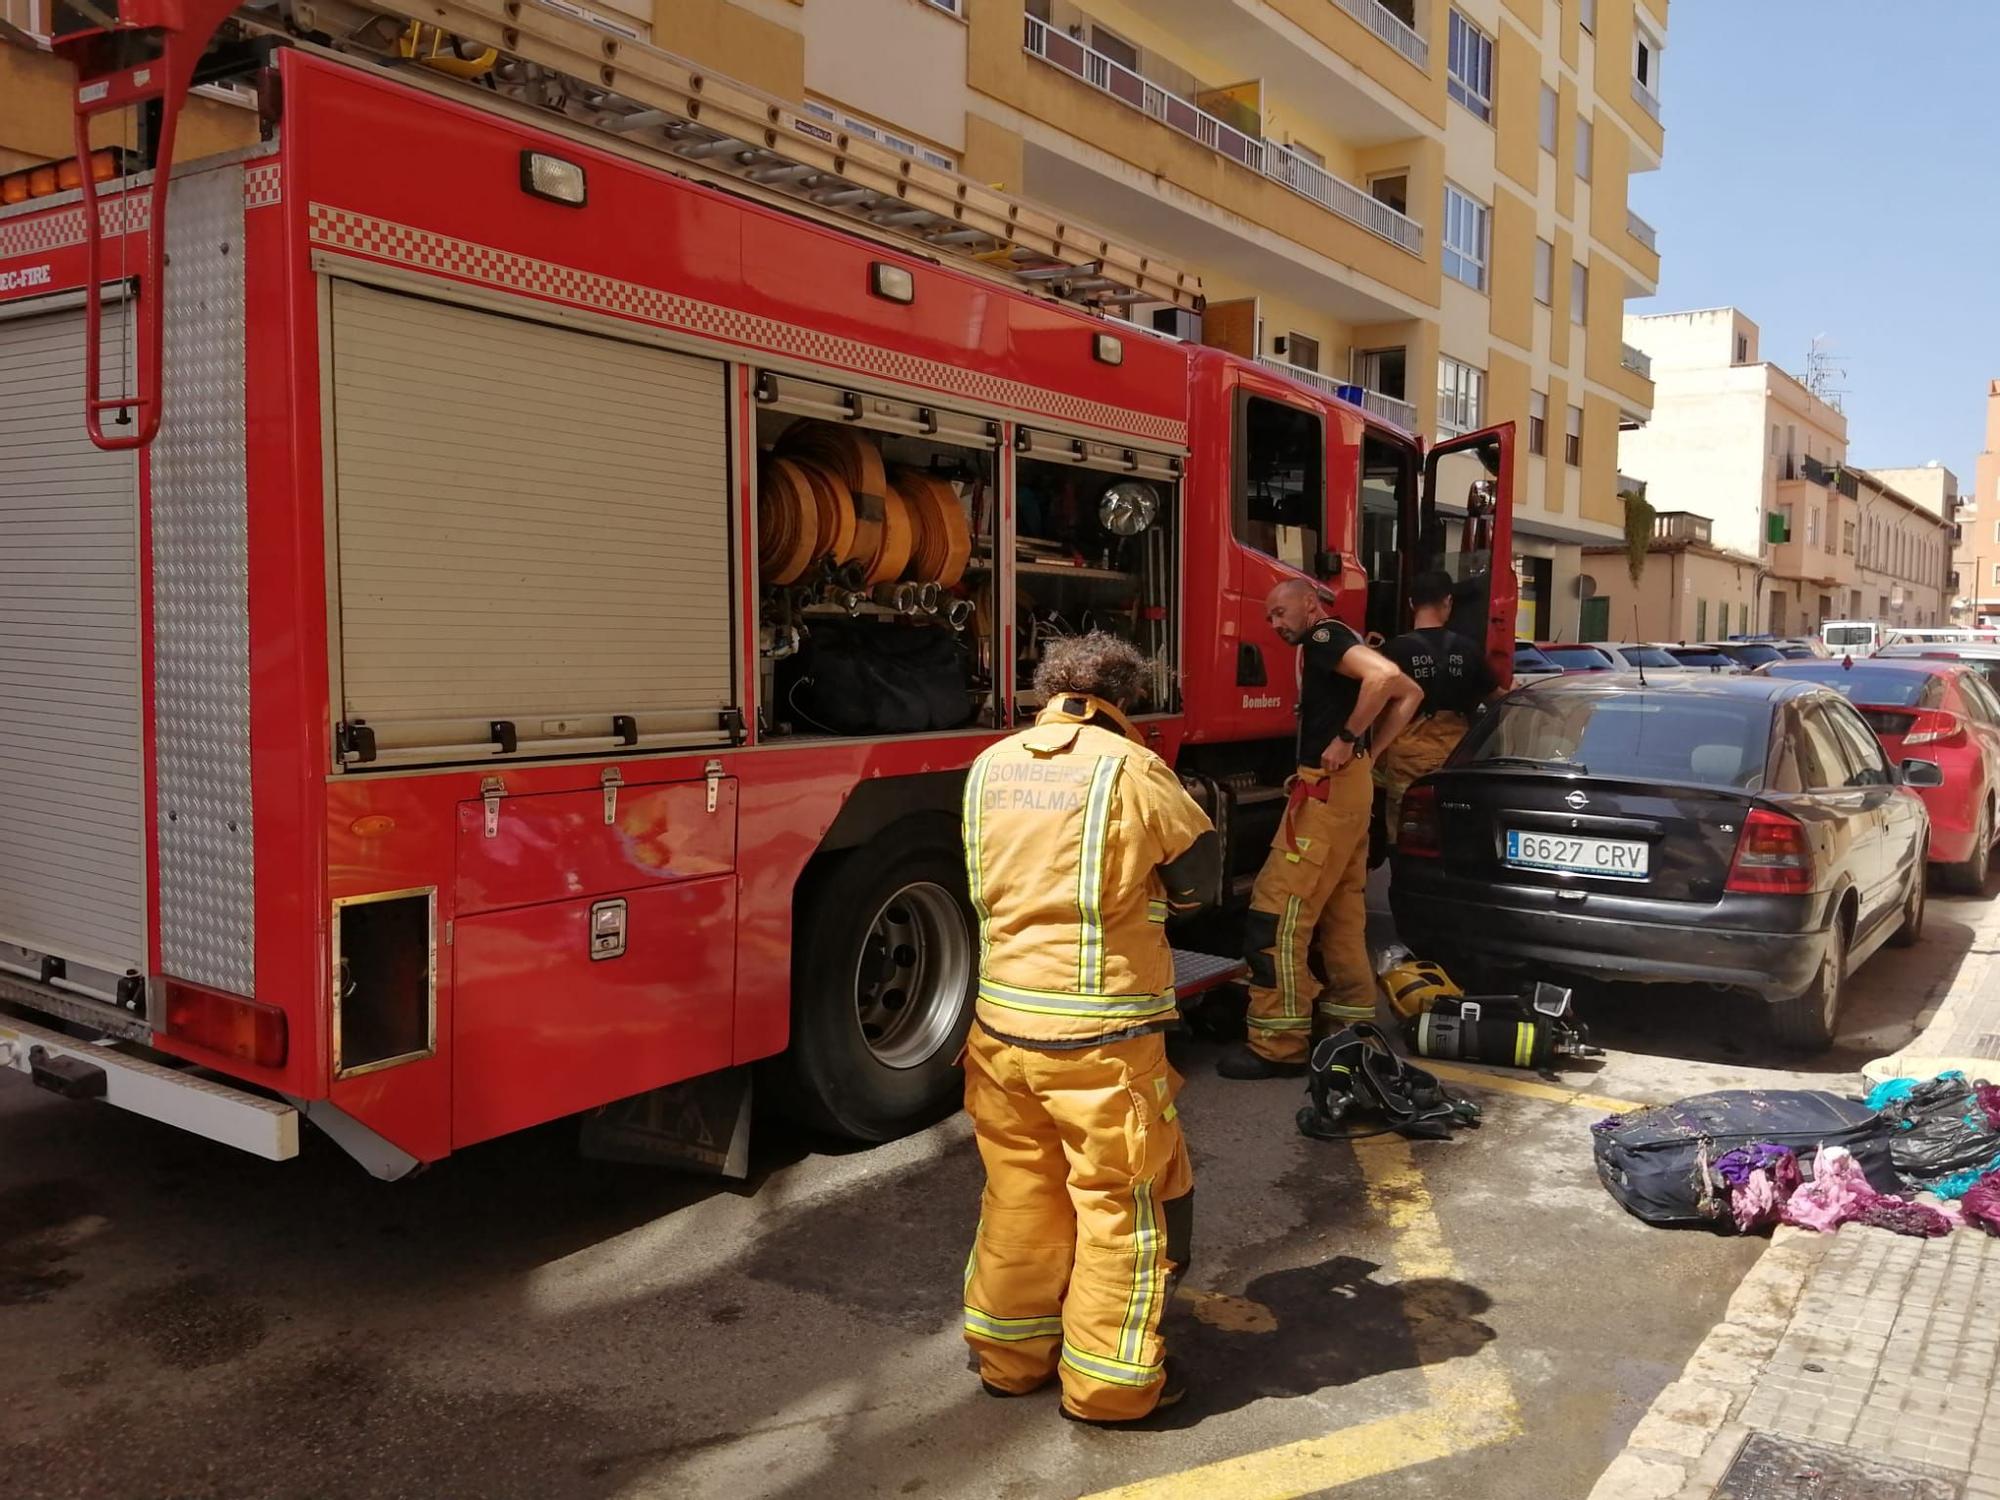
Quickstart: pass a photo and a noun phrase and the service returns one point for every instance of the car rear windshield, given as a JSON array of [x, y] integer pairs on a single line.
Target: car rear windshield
[[1527, 658], [1578, 658], [1658, 736], [1694, 657], [1756, 655], [1890, 686], [1648, 656]]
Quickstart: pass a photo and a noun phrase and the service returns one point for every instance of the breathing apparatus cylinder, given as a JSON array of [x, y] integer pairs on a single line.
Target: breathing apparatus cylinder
[[1441, 1020], [1411, 984]]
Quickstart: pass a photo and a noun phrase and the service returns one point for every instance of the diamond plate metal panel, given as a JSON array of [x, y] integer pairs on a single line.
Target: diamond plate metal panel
[[201, 597]]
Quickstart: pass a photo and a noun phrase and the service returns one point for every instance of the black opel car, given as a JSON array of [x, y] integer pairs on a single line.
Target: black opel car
[[1738, 831]]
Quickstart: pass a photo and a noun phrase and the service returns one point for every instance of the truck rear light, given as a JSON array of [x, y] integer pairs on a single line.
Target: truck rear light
[[226, 1024], [1935, 727], [1417, 832], [1772, 856]]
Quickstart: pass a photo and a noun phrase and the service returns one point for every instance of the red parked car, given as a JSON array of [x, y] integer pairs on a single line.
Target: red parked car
[[1940, 711]]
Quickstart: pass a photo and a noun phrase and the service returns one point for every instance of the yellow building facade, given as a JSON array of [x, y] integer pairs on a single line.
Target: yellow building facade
[[1427, 198]]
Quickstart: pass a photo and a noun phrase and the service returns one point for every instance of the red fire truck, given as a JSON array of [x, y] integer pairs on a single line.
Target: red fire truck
[[430, 706]]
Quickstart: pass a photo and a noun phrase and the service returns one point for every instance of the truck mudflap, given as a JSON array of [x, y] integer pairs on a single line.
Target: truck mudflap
[[79, 1069]]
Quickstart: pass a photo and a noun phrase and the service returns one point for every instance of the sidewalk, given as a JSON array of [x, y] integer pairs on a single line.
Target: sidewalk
[[1856, 1364]]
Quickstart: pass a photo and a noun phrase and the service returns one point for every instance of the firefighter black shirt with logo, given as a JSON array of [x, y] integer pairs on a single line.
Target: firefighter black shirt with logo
[[1326, 699], [1451, 669]]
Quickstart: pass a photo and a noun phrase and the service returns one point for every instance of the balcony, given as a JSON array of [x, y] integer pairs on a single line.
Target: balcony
[[1388, 408], [1681, 526], [1641, 231], [1379, 19], [1279, 163], [1638, 361], [1646, 99]]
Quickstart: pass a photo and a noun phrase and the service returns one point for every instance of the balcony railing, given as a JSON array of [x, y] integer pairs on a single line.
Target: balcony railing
[[1388, 408], [1681, 526], [1638, 361], [1279, 163], [1646, 99], [1641, 231], [1379, 19]]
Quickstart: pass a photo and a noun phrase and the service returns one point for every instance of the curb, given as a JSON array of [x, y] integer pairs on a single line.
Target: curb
[[1664, 1457]]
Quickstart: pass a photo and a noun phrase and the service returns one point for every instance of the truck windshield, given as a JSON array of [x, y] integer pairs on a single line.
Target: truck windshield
[[1673, 736]]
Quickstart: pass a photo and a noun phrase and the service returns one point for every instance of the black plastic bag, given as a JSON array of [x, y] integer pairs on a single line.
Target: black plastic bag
[[1938, 1128], [1658, 1162], [864, 678]]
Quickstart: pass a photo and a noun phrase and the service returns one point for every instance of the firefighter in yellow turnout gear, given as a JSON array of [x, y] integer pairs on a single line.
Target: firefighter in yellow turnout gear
[[1313, 887], [1079, 841], [1453, 672]]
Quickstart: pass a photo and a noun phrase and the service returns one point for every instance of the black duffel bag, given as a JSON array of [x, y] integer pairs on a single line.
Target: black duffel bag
[[856, 677], [1659, 1162]]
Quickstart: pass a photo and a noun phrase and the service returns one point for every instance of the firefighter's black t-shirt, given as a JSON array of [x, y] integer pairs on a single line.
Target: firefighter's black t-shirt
[[1326, 699], [1450, 669]]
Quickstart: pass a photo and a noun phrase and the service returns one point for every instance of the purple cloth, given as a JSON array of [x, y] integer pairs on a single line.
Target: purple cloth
[[1904, 1217], [1735, 1167], [1989, 1101], [1981, 1203]]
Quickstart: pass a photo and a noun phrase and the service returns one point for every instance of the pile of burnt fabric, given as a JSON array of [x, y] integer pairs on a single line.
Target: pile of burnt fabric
[[1944, 1132], [1750, 1158]]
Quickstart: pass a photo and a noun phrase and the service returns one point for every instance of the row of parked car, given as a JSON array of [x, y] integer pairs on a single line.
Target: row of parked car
[[1758, 826], [1533, 659]]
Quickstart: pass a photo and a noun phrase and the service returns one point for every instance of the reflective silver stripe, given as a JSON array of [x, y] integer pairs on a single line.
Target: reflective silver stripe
[[1288, 968], [1110, 1371], [1145, 1259], [1156, 911], [1280, 1023], [1056, 1003], [1090, 878], [973, 825], [1012, 1330]]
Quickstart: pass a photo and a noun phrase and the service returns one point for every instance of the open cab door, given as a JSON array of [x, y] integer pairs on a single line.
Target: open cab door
[[1473, 474]]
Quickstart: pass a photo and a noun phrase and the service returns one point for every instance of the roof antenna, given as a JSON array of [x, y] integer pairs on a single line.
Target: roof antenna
[[1639, 654]]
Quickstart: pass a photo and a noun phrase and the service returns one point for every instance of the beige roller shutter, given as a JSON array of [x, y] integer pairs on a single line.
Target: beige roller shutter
[[532, 527], [72, 818]]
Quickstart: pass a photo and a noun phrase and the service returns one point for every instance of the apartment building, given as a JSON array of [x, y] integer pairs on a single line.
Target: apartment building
[[1690, 589], [1902, 553], [1976, 596]]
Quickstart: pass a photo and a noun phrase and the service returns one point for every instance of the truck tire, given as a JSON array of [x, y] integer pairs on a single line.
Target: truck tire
[[1810, 1021], [885, 962]]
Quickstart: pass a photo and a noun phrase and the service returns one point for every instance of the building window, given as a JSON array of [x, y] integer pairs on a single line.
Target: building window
[[869, 131], [1646, 62], [1115, 47], [1996, 574], [1549, 101], [1392, 188], [1590, 16], [1538, 423], [1579, 292], [1302, 150], [1847, 537], [1461, 396], [1283, 496], [1743, 351], [1545, 272], [1812, 526], [1302, 351], [1469, 68], [1573, 437], [1465, 238], [1383, 370], [1701, 619], [1585, 135]]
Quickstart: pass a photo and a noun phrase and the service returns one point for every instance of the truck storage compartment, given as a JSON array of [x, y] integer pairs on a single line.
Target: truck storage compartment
[[72, 811], [533, 537]]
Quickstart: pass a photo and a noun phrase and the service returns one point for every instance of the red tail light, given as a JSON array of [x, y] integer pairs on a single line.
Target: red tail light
[[1935, 727], [1772, 856], [1417, 832], [227, 1024]]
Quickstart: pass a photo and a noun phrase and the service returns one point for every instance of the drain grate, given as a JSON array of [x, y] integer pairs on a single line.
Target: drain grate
[[1778, 1468]]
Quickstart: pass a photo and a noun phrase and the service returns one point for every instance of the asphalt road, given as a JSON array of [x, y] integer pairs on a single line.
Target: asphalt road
[[1465, 1318]]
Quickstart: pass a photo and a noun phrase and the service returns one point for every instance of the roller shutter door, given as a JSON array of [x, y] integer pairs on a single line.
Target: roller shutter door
[[72, 814], [532, 527]]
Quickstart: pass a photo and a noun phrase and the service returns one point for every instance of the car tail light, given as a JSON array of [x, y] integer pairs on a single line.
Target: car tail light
[[227, 1024], [1772, 856], [1417, 832], [1935, 727]]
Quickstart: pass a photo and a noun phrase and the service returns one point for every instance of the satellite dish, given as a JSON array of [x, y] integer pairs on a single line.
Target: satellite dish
[[1586, 586]]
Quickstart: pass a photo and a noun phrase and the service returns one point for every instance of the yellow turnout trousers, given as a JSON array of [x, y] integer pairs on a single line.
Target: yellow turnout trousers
[[1418, 751], [1083, 1222], [1312, 892]]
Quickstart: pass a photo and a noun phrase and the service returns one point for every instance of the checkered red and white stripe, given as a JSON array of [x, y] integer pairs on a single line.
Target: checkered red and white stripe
[[38, 234], [400, 244], [263, 185]]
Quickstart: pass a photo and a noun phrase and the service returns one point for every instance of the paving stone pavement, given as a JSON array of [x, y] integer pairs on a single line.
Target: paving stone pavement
[[1863, 1339]]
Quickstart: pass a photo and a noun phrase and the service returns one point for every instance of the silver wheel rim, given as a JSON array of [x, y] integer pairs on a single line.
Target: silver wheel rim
[[1830, 980], [913, 976]]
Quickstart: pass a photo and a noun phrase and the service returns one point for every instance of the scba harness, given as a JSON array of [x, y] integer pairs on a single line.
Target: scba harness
[[1357, 1071]]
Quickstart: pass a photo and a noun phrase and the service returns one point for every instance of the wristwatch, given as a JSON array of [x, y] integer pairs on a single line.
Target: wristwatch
[[1350, 736]]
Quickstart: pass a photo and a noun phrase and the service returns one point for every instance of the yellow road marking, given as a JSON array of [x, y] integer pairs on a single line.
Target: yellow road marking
[[1471, 1406], [1527, 1088]]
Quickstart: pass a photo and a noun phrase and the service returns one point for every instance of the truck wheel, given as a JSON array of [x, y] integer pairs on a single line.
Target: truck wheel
[[885, 962], [1808, 1022]]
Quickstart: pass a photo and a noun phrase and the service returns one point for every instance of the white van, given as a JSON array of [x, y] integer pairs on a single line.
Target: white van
[[1850, 637]]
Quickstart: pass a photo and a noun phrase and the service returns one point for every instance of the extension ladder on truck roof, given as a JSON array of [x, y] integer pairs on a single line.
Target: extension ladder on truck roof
[[553, 55]]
